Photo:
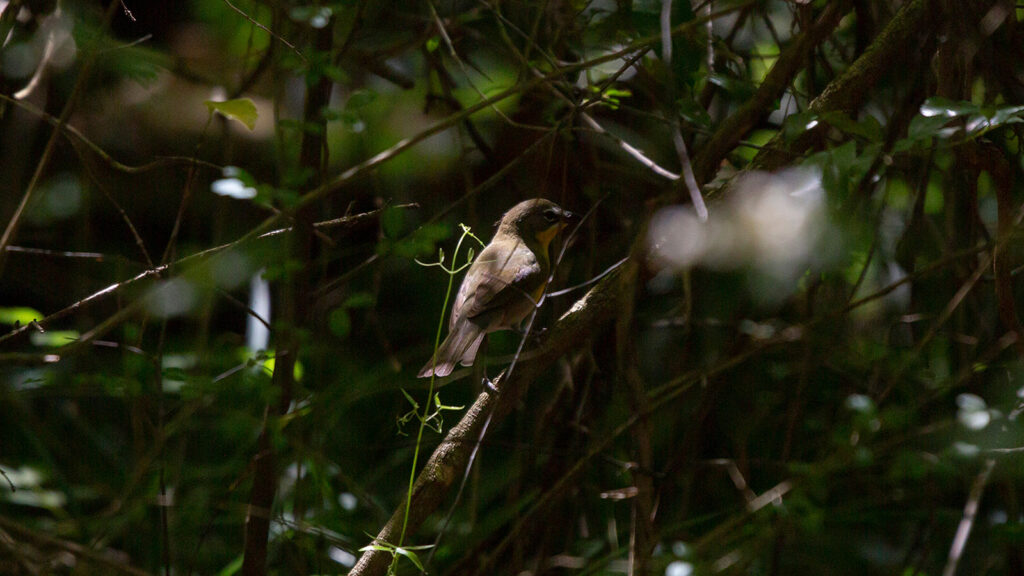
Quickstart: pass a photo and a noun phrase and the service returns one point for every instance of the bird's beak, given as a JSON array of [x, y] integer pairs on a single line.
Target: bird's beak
[[568, 218]]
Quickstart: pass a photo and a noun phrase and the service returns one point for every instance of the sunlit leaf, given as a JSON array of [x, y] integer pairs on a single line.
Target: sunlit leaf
[[944, 107], [54, 338], [240, 109], [408, 553], [19, 315]]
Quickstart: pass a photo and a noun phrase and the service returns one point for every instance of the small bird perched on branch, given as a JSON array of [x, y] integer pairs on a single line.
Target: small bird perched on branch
[[503, 284]]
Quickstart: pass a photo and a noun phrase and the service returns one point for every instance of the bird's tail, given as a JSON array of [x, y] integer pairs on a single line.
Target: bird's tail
[[460, 346]]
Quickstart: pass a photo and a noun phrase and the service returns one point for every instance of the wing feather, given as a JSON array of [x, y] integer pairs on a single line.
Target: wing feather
[[494, 281]]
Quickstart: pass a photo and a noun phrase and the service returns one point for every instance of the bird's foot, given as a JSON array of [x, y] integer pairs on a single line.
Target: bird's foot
[[489, 385]]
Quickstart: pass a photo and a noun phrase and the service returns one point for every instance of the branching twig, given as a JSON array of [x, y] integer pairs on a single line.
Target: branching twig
[[899, 38], [80, 83]]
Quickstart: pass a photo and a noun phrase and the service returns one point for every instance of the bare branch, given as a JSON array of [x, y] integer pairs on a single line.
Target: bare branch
[[963, 530]]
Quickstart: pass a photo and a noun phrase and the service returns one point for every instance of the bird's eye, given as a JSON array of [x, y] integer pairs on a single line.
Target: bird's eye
[[551, 216]]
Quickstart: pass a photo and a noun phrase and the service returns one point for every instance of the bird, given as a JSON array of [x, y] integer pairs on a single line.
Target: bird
[[504, 283]]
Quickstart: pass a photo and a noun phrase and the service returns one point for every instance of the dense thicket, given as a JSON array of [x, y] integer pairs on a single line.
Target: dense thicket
[[214, 300]]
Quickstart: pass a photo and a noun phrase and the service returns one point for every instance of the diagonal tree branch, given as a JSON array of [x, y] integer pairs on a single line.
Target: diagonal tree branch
[[587, 316], [736, 126], [897, 40]]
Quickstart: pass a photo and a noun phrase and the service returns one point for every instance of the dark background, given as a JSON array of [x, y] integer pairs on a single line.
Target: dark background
[[823, 378]]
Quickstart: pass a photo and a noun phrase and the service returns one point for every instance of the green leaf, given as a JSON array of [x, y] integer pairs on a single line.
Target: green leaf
[[377, 548], [408, 553], [316, 16], [392, 221], [239, 173], [693, 113], [176, 374], [415, 404], [432, 43], [241, 109], [925, 127], [797, 124], [359, 300], [420, 243], [233, 567], [938, 106], [738, 88], [934, 200], [440, 406], [53, 338], [292, 124], [340, 322], [1006, 114], [359, 99], [868, 128], [19, 315]]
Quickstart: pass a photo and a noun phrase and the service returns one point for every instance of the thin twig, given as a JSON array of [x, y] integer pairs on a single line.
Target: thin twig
[[593, 280], [686, 168], [77, 138], [159, 270], [256, 23], [51, 143], [73, 548], [963, 530]]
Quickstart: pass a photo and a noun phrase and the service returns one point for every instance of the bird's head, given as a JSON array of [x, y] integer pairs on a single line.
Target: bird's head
[[535, 221]]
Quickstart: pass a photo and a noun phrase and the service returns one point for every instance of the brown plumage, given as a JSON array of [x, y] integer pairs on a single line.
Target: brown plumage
[[503, 284]]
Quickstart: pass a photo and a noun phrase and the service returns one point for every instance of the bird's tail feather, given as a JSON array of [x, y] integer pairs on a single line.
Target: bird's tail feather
[[460, 346]]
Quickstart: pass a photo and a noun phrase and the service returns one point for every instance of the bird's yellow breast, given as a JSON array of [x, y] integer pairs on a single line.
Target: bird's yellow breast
[[544, 237]]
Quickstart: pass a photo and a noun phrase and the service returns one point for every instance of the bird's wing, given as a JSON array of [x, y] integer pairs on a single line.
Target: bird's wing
[[495, 280]]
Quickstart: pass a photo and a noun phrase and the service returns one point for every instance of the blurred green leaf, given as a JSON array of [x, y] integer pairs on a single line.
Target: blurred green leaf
[[360, 99], [340, 322], [797, 124], [233, 567], [422, 242], [240, 109], [392, 221], [737, 88], [19, 315], [937, 106], [693, 113], [53, 338], [360, 300]]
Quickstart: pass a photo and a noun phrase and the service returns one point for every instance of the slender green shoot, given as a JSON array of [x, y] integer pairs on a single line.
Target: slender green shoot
[[432, 409]]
